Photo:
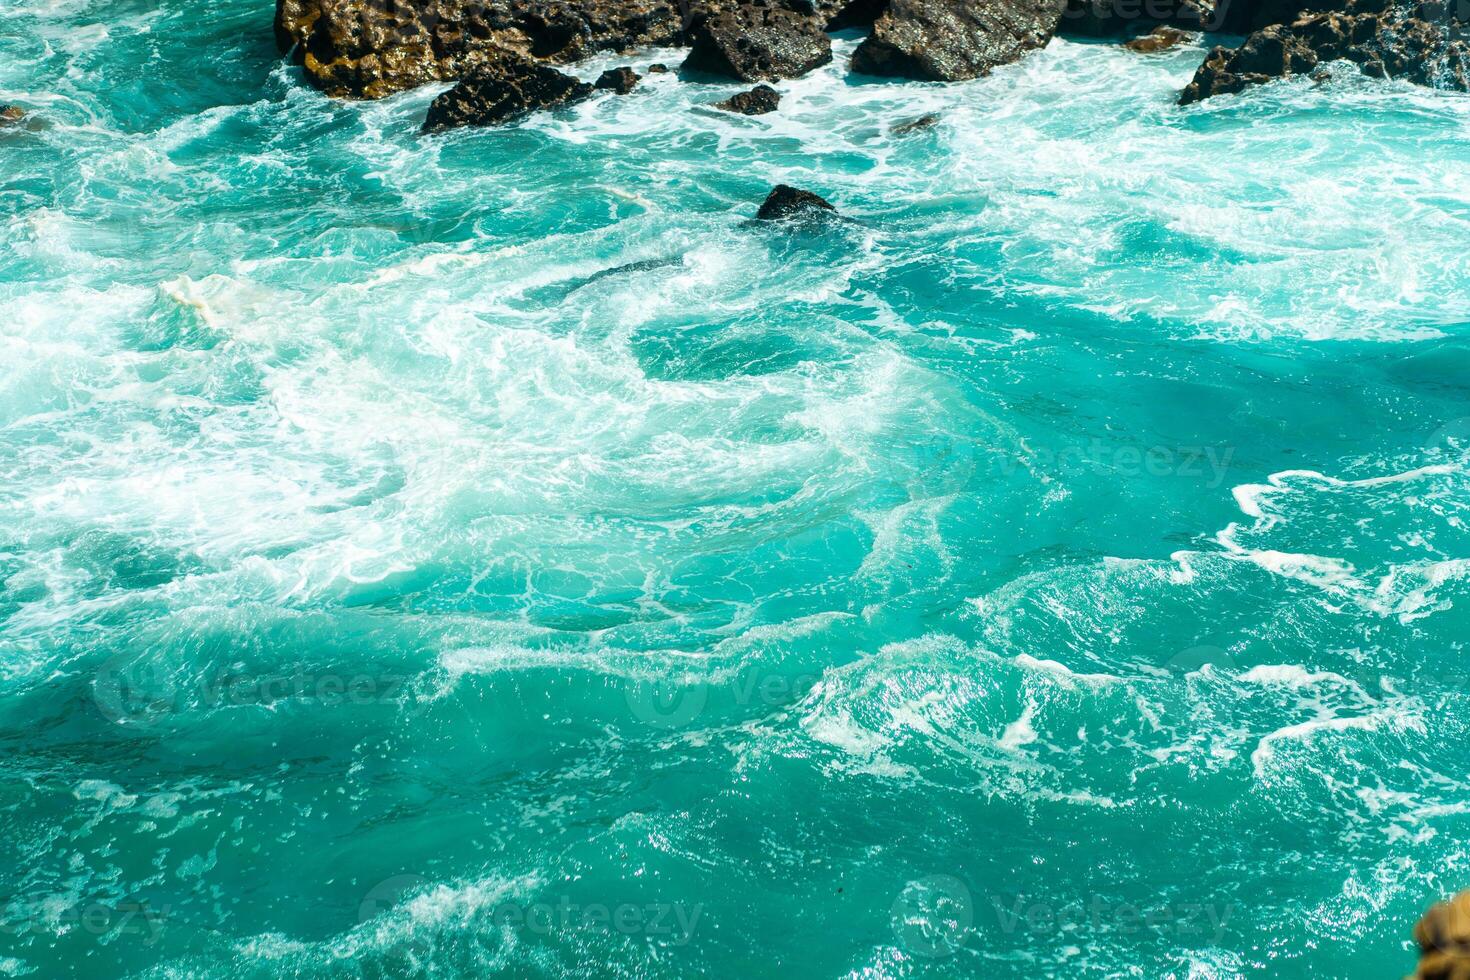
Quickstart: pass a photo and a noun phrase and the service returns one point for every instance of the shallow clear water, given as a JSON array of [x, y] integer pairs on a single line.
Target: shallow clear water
[[1061, 568]]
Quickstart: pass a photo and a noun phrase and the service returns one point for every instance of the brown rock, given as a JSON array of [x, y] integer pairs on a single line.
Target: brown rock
[[1161, 39], [1443, 936], [1386, 39], [372, 48], [11, 115], [619, 80], [758, 43], [503, 91], [757, 102], [953, 40]]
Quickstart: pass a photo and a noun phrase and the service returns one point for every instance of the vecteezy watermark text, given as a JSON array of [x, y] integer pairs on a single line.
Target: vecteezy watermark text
[[937, 915], [1206, 464], [132, 691], [665, 703], [672, 922], [1206, 921], [104, 920]]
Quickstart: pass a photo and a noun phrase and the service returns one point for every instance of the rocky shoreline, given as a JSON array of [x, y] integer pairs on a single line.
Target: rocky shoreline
[[504, 53]]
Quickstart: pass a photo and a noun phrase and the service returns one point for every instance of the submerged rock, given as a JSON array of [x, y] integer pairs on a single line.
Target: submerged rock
[[1443, 936], [926, 121], [1386, 42], [372, 48], [501, 92], [757, 102], [11, 115], [1160, 39], [619, 80], [954, 40], [758, 43], [658, 68], [786, 201]]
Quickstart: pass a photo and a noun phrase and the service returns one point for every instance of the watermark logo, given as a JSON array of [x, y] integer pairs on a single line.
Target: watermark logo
[[666, 704], [1452, 437], [133, 691], [933, 916], [388, 893]]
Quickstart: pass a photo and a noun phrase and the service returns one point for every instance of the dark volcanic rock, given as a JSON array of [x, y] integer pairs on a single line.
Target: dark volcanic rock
[[1386, 42], [758, 43], [953, 40], [786, 201], [1272, 53], [1161, 39], [501, 92], [658, 68], [1102, 18], [758, 101], [619, 80], [855, 13], [372, 48], [11, 115]]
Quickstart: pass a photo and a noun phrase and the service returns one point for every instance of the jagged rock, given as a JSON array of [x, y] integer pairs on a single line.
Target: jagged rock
[[926, 121], [11, 115], [503, 91], [1443, 936], [1161, 39], [1271, 53], [372, 48], [953, 40], [758, 101], [1389, 42], [619, 80], [786, 201], [758, 43]]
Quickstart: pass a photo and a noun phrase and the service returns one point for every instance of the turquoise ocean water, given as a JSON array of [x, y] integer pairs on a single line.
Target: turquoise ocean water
[[1058, 570]]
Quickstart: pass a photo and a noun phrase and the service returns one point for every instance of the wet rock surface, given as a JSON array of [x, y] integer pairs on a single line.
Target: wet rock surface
[[758, 43], [1160, 39], [619, 80], [11, 115], [951, 40], [373, 48], [1421, 43], [786, 201], [501, 92], [757, 102]]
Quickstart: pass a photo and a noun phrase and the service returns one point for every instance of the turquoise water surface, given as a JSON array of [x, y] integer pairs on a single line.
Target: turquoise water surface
[[1061, 569]]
